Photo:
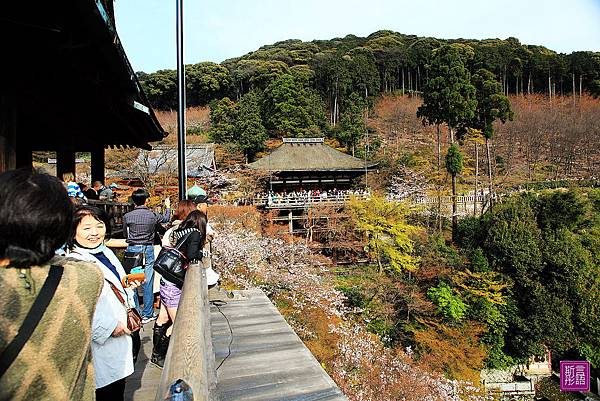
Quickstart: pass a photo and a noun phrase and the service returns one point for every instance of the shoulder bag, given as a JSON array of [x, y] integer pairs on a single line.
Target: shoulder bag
[[171, 263], [134, 319]]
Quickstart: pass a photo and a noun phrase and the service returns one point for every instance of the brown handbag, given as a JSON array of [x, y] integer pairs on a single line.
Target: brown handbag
[[134, 319]]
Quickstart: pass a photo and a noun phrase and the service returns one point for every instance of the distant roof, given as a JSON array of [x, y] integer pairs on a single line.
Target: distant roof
[[308, 154], [199, 159], [162, 159]]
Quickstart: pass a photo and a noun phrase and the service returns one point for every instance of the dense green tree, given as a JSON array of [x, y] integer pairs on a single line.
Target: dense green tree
[[449, 97], [223, 114], [161, 89], [546, 248], [249, 132], [564, 210], [448, 302], [352, 124], [363, 72], [454, 166], [205, 82], [492, 105], [289, 108], [383, 61], [332, 79]]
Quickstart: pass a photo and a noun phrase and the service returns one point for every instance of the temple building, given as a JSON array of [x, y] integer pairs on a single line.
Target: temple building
[[308, 163], [67, 86]]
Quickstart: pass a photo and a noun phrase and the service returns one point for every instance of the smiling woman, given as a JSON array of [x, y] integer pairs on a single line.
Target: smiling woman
[[114, 345], [90, 232]]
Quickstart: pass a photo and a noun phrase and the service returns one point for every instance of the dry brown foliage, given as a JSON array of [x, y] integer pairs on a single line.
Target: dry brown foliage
[[454, 351], [554, 139], [238, 217], [548, 140], [197, 119]]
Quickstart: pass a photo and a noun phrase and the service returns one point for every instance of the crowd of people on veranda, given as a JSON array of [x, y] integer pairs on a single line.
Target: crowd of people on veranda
[[66, 296], [311, 195], [81, 191]]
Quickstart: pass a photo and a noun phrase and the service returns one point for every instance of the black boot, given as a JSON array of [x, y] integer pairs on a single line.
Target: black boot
[[158, 335], [160, 351], [157, 332]]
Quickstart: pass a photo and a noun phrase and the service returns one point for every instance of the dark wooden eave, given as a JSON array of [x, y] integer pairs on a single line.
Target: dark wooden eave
[[66, 71]]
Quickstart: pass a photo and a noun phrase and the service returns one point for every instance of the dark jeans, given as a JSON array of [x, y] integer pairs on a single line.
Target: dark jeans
[[148, 251], [113, 392]]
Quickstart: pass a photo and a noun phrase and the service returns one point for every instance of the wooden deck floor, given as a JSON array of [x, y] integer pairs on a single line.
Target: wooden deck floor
[[263, 361]]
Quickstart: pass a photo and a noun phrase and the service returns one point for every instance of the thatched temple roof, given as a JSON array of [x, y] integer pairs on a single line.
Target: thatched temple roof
[[308, 154]]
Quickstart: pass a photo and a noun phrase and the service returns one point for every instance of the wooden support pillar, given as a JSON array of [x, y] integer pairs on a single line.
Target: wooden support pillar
[[8, 134], [24, 156], [291, 222], [65, 160], [97, 167]]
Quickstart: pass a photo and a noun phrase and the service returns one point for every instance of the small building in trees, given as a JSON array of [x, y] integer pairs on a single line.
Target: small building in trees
[[308, 163], [67, 86], [161, 161]]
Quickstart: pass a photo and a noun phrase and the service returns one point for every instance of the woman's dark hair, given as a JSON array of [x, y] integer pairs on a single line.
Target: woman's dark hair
[[184, 208], [86, 210], [139, 196], [35, 217], [197, 220]]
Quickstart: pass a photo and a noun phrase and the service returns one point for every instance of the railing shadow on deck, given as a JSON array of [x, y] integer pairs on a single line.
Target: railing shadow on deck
[[189, 372]]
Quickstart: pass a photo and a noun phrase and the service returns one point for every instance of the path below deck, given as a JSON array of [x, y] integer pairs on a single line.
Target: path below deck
[[267, 362]]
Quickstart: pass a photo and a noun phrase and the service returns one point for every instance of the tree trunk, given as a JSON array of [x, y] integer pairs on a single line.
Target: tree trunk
[[522, 91], [402, 81], [573, 93], [489, 162], [439, 168], [439, 149], [454, 208], [335, 101], [476, 178], [580, 85]]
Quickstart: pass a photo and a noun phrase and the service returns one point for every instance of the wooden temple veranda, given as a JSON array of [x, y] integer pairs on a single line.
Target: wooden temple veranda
[[303, 165], [67, 86]]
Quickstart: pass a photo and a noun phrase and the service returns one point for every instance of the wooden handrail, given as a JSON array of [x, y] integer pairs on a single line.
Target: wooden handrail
[[190, 356]]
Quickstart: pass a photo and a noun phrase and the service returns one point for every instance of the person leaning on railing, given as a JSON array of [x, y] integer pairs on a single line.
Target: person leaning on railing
[[161, 331], [189, 237], [47, 301]]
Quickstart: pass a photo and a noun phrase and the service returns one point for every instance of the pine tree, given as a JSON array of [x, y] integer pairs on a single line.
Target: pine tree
[[449, 97]]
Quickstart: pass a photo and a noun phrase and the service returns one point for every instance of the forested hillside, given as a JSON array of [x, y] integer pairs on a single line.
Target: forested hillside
[[385, 61], [330, 87]]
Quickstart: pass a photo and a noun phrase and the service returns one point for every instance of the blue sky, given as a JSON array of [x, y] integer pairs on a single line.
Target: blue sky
[[220, 29]]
